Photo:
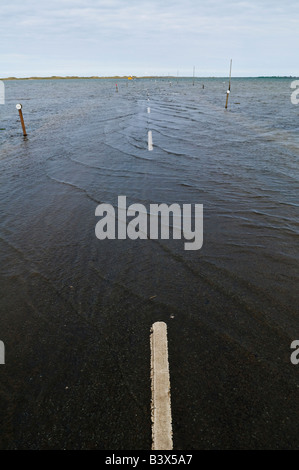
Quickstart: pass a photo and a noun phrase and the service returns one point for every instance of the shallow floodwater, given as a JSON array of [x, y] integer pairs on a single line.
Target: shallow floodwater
[[76, 312]]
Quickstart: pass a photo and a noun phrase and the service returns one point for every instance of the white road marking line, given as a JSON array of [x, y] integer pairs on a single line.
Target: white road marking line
[[2, 353], [150, 140], [160, 384]]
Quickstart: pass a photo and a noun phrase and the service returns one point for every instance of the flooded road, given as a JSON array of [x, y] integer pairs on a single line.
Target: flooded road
[[76, 311]]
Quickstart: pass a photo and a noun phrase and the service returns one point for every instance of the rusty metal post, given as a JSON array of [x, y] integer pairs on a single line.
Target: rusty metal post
[[19, 108]]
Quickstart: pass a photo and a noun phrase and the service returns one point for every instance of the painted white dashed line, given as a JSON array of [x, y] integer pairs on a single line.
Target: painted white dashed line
[[149, 140], [160, 384]]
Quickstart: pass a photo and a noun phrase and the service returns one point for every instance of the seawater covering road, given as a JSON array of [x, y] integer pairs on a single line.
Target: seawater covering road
[[76, 312]]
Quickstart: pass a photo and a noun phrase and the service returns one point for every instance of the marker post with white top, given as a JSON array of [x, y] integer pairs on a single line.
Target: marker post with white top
[[19, 108]]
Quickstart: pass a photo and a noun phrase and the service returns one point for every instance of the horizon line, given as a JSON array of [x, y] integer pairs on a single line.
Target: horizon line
[[65, 77]]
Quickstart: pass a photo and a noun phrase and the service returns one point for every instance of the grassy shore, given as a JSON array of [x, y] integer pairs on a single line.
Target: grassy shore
[[54, 77]]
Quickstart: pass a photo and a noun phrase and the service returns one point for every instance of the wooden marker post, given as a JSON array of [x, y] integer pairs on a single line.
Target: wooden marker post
[[193, 74], [19, 108], [228, 91]]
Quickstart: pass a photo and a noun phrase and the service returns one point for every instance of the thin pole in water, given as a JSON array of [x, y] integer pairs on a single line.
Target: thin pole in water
[[193, 74], [19, 108], [228, 91]]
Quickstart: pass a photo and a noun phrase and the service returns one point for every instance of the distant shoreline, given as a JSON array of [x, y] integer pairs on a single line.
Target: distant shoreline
[[116, 77], [54, 77]]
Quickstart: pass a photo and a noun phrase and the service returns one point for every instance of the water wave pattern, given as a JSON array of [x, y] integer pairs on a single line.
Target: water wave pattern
[[241, 164]]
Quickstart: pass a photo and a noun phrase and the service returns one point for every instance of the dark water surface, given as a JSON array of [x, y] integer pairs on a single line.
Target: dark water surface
[[76, 312]]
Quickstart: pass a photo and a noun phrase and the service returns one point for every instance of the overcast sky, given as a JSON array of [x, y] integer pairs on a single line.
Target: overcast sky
[[148, 37]]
